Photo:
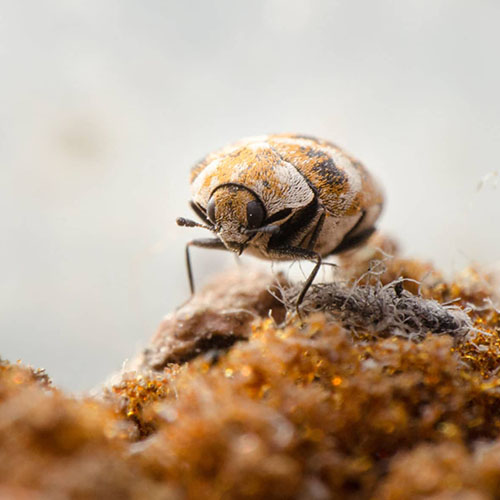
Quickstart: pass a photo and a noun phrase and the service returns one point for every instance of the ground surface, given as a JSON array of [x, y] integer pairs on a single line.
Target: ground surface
[[386, 388]]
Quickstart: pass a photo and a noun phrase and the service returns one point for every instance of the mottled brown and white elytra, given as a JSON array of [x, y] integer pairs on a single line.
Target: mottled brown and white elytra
[[283, 197]]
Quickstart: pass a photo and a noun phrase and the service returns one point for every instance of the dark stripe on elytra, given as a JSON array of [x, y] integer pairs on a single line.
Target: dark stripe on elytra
[[328, 171], [294, 226], [311, 152], [352, 239], [308, 182]]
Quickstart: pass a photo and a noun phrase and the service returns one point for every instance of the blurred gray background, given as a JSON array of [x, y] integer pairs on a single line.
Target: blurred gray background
[[105, 105]]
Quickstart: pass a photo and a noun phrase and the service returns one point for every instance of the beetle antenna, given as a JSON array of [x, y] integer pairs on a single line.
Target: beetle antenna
[[271, 229], [181, 221]]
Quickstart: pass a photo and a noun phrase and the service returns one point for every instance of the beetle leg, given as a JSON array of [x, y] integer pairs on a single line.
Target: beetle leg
[[317, 229], [202, 243], [299, 253]]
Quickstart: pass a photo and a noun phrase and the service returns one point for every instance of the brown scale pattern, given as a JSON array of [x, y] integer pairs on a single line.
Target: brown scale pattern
[[313, 159], [317, 166], [260, 165]]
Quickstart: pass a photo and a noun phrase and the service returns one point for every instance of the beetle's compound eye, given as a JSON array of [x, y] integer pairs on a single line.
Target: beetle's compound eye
[[211, 210], [255, 214]]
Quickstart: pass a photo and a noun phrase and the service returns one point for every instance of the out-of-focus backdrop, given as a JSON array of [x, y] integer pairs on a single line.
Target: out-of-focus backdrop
[[106, 105]]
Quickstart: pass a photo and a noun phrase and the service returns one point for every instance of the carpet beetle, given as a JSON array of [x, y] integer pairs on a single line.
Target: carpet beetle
[[283, 197]]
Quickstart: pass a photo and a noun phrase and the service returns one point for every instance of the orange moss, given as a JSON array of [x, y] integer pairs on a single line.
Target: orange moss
[[135, 393], [55, 446], [303, 411], [314, 407]]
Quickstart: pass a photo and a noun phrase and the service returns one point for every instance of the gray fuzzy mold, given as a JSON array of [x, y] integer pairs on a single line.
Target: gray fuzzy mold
[[382, 309]]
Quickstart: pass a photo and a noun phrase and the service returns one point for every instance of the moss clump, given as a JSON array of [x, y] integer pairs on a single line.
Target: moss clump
[[313, 410], [314, 407], [134, 398], [55, 446]]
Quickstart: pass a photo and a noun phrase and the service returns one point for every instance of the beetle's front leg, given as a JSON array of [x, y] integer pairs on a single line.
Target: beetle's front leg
[[298, 253], [202, 243]]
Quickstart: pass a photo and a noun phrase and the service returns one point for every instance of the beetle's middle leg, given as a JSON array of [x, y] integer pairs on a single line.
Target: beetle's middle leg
[[299, 253], [316, 232], [317, 229]]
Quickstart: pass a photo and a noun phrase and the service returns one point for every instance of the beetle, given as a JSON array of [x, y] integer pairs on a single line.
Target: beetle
[[283, 197]]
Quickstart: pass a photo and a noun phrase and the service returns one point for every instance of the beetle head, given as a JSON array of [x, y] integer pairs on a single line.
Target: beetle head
[[236, 214]]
